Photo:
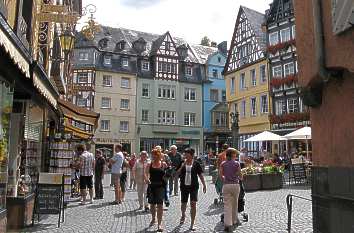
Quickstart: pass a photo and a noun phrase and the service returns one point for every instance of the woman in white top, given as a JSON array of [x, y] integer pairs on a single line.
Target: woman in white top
[[140, 178]]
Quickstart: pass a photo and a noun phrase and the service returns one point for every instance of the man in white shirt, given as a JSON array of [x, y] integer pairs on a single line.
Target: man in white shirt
[[117, 162], [87, 165]]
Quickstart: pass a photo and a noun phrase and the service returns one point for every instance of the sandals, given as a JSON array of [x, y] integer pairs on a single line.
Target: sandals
[[160, 229], [152, 223]]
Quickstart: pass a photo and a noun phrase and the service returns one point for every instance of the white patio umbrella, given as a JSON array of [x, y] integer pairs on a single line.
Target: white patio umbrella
[[264, 137], [301, 134]]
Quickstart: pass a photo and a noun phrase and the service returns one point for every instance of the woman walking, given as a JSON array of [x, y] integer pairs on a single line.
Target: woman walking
[[230, 173], [189, 185], [155, 172], [139, 175]]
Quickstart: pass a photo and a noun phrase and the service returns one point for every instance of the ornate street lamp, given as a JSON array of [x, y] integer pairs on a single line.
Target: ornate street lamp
[[67, 41], [235, 128]]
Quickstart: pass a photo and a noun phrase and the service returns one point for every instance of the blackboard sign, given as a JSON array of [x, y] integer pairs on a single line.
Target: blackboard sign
[[48, 201], [299, 171], [49, 196]]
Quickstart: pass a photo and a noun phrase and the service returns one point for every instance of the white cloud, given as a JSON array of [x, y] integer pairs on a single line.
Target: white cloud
[[190, 19]]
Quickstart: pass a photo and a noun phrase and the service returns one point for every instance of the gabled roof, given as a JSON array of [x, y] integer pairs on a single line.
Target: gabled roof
[[256, 19], [196, 53]]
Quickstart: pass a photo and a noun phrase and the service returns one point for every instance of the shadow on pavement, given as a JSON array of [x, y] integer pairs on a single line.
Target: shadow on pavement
[[132, 213], [38, 227], [97, 206]]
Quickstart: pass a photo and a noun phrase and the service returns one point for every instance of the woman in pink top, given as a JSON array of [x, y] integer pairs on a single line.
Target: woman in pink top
[[230, 172]]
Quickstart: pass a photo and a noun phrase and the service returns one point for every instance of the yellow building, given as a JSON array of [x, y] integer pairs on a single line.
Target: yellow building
[[246, 76]]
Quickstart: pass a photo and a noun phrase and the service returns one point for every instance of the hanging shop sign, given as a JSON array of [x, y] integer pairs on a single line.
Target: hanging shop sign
[[54, 8], [57, 14]]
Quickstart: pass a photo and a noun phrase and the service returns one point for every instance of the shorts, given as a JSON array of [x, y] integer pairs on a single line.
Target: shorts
[[115, 178], [187, 192], [86, 182], [156, 194]]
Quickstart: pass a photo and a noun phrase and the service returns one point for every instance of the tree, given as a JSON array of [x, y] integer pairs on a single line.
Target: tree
[[205, 41], [213, 44]]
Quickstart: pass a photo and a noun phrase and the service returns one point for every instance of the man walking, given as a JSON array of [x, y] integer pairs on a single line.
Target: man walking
[[117, 161], [99, 174], [87, 164], [176, 162]]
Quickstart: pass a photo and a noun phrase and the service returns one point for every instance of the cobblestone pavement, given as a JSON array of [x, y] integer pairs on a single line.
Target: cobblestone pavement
[[266, 209]]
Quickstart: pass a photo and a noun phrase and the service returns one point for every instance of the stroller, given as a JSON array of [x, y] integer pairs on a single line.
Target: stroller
[[218, 189], [241, 204]]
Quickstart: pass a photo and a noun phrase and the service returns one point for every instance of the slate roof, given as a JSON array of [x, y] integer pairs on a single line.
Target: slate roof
[[196, 53], [256, 19]]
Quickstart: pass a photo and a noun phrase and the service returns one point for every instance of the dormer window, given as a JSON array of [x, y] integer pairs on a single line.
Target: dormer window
[[189, 71], [103, 43], [120, 45], [125, 62], [145, 66], [139, 45], [107, 60]]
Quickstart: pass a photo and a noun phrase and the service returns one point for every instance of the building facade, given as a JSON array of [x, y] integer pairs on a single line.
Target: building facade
[[215, 109], [325, 36], [147, 88], [288, 110], [246, 74]]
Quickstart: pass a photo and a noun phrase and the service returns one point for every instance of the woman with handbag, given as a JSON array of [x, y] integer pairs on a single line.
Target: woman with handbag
[[189, 185], [155, 173]]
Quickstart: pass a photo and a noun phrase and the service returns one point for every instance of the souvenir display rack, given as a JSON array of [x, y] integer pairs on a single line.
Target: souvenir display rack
[[61, 155], [31, 161]]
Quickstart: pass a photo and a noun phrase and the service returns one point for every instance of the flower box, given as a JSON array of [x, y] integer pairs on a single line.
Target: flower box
[[252, 182], [272, 181]]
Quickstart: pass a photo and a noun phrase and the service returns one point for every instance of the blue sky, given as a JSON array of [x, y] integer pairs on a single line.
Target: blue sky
[[190, 19]]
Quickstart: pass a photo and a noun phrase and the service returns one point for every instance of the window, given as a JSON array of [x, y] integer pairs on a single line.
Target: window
[[293, 32], [242, 81], [82, 77], [124, 126], [81, 102], [189, 119], [223, 96], [107, 81], [125, 83], [280, 107], [166, 92], [293, 105], [105, 125], [232, 85], [146, 90], [125, 62], [273, 38], [289, 69], [189, 70], [83, 56], [253, 106], [243, 108], [166, 117], [145, 116], [220, 119], [145, 66], [107, 60], [285, 35], [263, 75], [253, 77], [264, 104], [189, 94], [124, 104], [214, 95], [244, 51], [215, 73], [277, 72], [106, 102]]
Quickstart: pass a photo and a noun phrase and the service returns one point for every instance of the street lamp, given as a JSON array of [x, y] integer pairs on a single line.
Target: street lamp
[[67, 41], [235, 128]]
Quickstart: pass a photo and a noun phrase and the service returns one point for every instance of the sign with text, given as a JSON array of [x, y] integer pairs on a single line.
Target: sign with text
[[299, 171]]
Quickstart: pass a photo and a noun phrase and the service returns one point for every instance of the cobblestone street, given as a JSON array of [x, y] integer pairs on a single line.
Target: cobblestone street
[[267, 214]]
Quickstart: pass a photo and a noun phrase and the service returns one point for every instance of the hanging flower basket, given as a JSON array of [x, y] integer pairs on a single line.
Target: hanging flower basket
[[276, 82]]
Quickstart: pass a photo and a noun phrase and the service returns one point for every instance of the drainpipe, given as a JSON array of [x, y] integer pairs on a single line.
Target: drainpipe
[[319, 41]]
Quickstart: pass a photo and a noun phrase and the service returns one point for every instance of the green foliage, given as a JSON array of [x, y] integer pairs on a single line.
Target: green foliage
[[205, 41]]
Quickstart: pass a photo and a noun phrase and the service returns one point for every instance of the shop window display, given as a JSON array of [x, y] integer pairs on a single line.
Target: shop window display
[[6, 97]]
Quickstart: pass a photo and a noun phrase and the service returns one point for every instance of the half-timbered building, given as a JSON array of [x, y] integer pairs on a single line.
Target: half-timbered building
[[246, 75], [288, 110]]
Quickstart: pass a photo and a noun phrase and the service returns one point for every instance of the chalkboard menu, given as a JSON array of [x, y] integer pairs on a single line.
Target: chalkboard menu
[[299, 171], [50, 196], [48, 201]]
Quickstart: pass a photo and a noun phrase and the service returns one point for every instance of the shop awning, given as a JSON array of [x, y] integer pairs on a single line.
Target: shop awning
[[78, 113], [22, 63]]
